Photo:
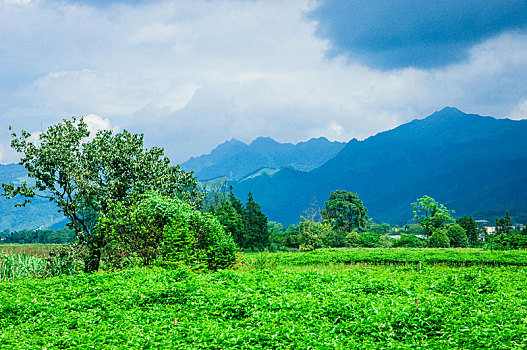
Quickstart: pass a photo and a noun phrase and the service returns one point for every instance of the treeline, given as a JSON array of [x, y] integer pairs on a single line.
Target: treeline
[[246, 223], [61, 236], [343, 223]]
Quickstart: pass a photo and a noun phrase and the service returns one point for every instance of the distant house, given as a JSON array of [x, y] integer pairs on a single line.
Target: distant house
[[490, 229]]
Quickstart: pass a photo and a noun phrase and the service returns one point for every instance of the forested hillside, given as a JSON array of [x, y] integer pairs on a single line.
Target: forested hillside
[[473, 164]]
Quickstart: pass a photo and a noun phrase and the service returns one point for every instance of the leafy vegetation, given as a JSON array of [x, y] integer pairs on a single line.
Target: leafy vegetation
[[84, 176], [168, 230], [246, 223], [271, 303]]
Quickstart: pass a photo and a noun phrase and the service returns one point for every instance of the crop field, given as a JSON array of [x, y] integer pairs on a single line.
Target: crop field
[[272, 303]]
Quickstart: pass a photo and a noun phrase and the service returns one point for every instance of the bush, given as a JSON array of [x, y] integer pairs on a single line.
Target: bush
[[369, 239], [312, 234], [457, 236], [439, 239], [408, 241], [168, 231], [353, 239]]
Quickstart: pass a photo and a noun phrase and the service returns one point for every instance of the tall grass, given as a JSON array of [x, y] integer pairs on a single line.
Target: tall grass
[[40, 250], [16, 266]]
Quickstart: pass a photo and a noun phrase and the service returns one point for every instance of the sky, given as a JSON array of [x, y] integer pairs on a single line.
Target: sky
[[190, 74]]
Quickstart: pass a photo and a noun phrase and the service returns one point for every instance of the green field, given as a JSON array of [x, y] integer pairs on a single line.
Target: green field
[[275, 301]]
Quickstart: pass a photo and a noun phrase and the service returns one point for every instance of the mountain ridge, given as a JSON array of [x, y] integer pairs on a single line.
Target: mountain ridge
[[236, 159], [393, 168]]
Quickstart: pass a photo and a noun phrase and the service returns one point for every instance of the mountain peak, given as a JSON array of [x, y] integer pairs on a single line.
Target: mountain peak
[[263, 141], [448, 112]]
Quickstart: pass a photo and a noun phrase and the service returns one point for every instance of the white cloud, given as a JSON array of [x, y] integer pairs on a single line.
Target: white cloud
[[96, 123], [190, 74]]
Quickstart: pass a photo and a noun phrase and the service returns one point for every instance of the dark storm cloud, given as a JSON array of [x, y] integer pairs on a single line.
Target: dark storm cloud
[[425, 34]]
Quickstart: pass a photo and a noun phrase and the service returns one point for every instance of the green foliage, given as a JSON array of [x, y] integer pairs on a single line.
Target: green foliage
[[312, 234], [346, 212], [506, 237], [408, 241], [231, 220], [310, 306], [255, 225], [83, 177], [431, 214], [353, 239], [369, 239], [439, 239], [380, 229], [169, 230], [246, 223], [18, 266], [504, 225], [457, 236], [385, 241], [335, 239], [471, 228], [415, 229]]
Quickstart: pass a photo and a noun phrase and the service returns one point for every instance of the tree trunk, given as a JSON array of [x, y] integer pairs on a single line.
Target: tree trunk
[[92, 261]]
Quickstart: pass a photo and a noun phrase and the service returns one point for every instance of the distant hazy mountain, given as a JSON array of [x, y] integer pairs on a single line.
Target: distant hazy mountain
[[235, 159], [39, 214], [472, 164]]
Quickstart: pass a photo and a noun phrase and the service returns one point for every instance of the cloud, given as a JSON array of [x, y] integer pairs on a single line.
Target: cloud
[[191, 74], [404, 33]]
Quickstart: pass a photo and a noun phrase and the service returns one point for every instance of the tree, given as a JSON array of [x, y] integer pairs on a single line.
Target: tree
[[167, 230], [431, 214], [438, 239], [457, 236], [231, 220], [346, 212], [504, 225], [313, 233], [255, 225], [471, 228], [83, 177]]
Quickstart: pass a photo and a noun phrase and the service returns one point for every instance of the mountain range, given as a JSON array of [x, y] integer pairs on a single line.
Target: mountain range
[[235, 159], [473, 164]]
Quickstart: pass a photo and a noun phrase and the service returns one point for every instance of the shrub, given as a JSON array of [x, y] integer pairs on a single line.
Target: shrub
[[168, 231], [408, 241], [353, 239], [312, 234], [439, 239], [457, 236], [369, 239]]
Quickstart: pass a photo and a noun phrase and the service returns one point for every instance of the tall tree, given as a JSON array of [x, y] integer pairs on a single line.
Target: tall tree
[[471, 228], [83, 177], [431, 214], [232, 221], [346, 212], [255, 225], [504, 225]]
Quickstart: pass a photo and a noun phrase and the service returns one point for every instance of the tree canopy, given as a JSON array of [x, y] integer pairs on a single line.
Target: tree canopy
[[346, 212], [431, 214], [84, 176]]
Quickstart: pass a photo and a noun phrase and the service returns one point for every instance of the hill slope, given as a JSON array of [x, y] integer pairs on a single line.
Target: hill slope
[[236, 159], [472, 164], [41, 213]]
